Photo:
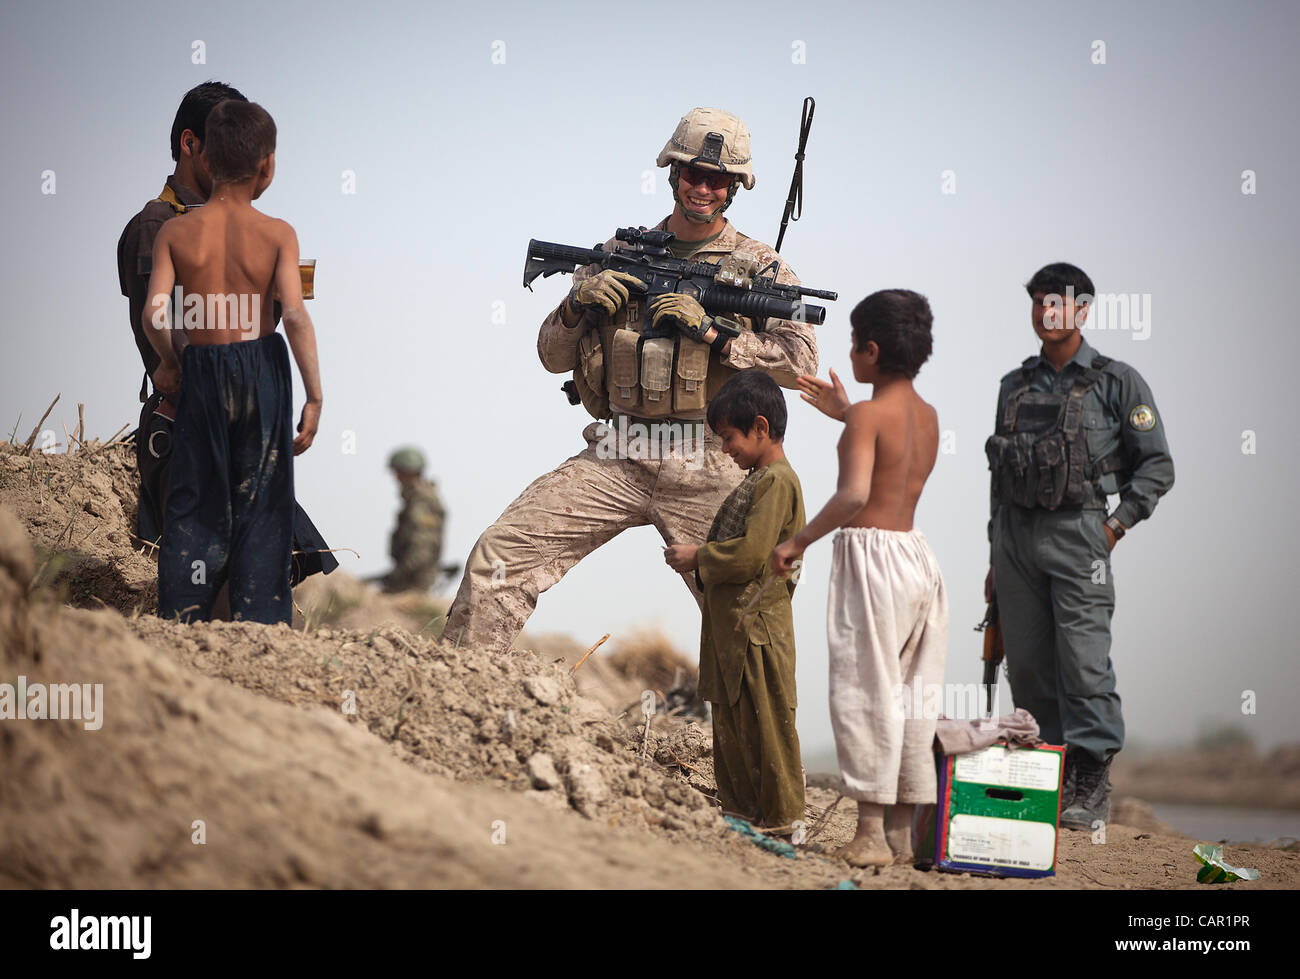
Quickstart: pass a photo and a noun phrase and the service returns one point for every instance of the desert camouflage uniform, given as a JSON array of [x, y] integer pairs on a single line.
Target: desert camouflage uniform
[[566, 514], [416, 544]]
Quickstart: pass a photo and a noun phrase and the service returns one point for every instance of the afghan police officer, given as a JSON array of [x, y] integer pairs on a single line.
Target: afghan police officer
[[187, 187], [416, 544], [1073, 427], [637, 385]]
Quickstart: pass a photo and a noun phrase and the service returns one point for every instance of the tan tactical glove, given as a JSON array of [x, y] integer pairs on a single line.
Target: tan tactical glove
[[684, 311], [606, 291]]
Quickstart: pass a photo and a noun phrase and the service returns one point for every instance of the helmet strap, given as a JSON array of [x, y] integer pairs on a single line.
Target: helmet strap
[[674, 175], [731, 196]]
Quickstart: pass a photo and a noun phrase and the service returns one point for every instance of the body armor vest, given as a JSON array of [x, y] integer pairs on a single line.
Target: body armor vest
[[621, 373], [1039, 453]]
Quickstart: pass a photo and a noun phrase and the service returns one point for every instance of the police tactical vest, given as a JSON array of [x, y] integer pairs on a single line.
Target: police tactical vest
[[1039, 454]]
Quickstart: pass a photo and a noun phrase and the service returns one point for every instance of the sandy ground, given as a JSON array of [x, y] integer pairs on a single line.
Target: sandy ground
[[363, 752]]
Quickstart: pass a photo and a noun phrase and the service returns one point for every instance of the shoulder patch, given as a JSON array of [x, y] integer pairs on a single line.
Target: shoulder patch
[[1142, 418]]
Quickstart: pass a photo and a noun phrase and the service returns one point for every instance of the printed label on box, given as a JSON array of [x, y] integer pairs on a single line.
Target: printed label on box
[[1023, 769], [1001, 842]]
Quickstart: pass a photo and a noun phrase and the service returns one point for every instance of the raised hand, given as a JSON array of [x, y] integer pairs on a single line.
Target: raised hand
[[828, 397]]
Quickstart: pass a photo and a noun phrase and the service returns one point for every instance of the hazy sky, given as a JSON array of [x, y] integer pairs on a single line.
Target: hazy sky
[[472, 128]]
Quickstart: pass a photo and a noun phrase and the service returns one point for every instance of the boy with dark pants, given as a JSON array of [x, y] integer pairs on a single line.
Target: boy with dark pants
[[747, 638], [1072, 428], [887, 613], [184, 190], [230, 505]]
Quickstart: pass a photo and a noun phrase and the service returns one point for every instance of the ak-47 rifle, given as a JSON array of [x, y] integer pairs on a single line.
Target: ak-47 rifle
[[994, 653], [645, 255]]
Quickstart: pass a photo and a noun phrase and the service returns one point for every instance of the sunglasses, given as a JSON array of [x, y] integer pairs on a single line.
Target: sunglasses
[[694, 176]]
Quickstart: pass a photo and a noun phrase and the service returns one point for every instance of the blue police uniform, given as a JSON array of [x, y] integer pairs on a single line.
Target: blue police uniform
[[1065, 440]]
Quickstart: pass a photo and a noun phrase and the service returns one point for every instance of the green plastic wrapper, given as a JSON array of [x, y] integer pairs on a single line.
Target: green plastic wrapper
[[1215, 871]]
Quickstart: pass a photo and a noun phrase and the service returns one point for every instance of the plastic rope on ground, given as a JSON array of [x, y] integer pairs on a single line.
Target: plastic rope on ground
[[746, 829]]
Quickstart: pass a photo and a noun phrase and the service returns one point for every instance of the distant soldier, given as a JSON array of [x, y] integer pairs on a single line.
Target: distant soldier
[[416, 544]]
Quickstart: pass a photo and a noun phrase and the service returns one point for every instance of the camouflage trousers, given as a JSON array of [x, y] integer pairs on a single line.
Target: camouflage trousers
[[618, 481]]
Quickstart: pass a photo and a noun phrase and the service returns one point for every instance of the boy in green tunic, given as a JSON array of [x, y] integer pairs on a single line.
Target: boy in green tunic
[[747, 638]]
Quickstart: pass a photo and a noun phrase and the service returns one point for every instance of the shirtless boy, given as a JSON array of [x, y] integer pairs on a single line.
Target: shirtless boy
[[887, 615], [231, 501]]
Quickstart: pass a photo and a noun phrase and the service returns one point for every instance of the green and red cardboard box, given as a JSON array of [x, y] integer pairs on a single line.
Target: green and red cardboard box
[[997, 811]]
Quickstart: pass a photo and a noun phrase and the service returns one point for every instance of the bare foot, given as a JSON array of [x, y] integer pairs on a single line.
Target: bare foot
[[869, 847], [865, 852], [898, 832]]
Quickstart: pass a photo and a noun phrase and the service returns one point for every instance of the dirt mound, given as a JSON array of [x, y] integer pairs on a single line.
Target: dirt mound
[[79, 508], [192, 782], [518, 721], [17, 570]]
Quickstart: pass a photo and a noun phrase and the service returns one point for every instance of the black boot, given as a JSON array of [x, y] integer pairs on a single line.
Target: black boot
[[1091, 793], [1069, 785]]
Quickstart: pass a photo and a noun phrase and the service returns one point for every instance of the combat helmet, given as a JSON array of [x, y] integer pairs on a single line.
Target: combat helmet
[[710, 139], [408, 460]]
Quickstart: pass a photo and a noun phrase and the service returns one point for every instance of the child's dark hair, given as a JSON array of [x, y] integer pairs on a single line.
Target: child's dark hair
[[745, 396], [240, 136], [1058, 278], [195, 107], [899, 321]]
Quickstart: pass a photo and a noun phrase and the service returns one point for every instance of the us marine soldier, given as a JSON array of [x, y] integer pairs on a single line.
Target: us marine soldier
[[665, 386], [416, 544], [1072, 427]]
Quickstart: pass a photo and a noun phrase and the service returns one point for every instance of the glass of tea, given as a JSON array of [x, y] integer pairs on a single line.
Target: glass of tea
[[307, 272]]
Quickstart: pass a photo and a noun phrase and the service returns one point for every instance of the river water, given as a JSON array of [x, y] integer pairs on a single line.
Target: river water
[[1213, 823]]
